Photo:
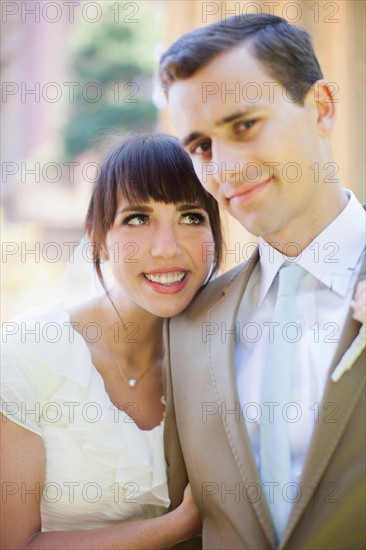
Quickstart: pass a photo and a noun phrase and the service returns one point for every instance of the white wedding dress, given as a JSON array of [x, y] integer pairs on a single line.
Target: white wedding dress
[[101, 469]]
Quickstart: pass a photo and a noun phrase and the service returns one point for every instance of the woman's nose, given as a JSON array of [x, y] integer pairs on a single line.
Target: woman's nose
[[165, 243]]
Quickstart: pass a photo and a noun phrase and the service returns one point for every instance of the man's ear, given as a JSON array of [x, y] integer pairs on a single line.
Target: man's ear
[[321, 96]]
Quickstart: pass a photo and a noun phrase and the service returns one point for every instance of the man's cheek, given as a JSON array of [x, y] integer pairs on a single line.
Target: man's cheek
[[197, 165], [213, 187], [206, 172]]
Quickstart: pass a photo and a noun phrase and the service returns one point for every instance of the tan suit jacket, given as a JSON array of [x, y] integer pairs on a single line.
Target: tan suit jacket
[[206, 436]]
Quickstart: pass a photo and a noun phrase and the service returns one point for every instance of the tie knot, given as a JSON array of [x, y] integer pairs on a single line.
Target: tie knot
[[290, 278]]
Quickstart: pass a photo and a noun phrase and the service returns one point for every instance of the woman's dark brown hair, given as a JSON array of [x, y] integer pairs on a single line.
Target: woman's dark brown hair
[[142, 168]]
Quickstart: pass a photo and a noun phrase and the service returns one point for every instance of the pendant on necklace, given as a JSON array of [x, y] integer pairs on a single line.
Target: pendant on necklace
[[132, 382]]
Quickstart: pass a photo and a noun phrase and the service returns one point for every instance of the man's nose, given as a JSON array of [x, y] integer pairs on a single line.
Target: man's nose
[[229, 163]]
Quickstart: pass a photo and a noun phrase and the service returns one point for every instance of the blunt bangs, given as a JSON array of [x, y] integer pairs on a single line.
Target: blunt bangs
[[155, 168]]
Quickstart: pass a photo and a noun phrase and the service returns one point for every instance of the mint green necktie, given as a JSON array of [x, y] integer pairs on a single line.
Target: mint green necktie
[[275, 451]]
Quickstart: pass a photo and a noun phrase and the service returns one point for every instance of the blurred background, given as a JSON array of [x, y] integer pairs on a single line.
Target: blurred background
[[77, 75]]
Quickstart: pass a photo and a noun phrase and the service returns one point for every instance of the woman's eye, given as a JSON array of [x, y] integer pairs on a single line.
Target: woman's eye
[[136, 219], [193, 218], [201, 148]]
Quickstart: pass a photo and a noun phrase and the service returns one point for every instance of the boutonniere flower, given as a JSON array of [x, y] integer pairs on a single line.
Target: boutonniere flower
[[354, 351]]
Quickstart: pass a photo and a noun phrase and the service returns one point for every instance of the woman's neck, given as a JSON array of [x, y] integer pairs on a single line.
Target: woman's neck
[[128, 331]]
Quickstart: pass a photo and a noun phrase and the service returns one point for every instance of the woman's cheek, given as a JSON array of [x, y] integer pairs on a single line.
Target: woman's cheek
[[204, 247]]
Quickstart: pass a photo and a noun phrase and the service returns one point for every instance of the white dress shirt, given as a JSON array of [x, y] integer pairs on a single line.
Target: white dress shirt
[[333, 261]]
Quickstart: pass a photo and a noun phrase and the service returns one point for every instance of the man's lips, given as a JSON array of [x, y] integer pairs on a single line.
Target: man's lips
[[246, 191]]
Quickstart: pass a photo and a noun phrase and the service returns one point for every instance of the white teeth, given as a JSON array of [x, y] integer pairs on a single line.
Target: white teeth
[[166, 278]]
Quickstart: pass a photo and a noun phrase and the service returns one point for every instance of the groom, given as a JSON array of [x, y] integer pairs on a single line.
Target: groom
[[269, 431]]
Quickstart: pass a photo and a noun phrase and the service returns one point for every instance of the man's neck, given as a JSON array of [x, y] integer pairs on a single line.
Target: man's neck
[[302, 230]]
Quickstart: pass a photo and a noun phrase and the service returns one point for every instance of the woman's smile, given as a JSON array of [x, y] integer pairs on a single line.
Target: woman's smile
[[168, 267], [167, 282]]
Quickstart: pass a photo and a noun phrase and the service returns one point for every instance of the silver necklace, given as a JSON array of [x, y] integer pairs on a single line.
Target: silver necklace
[[132, 382]]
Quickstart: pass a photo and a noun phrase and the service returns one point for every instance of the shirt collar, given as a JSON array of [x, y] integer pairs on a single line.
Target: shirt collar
[[331, 257], [270, 262]]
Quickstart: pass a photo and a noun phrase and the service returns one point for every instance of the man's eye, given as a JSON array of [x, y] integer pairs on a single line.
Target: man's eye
[[201, 148], [193, 218], [136, 219], [244, 125]]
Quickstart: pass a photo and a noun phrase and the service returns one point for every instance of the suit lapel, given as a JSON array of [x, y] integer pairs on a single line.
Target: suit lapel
[[222, 370], [344, 394]]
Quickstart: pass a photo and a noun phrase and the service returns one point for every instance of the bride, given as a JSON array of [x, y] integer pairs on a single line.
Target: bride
[[82, 391]]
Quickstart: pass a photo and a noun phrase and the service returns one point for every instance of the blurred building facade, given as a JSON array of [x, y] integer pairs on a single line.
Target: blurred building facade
[[40, 207]]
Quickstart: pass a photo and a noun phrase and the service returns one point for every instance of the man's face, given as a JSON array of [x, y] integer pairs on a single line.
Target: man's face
[[254, 149]]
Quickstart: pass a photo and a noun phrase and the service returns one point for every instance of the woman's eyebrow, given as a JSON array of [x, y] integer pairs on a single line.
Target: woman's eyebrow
[[134, 208], [183, 207]]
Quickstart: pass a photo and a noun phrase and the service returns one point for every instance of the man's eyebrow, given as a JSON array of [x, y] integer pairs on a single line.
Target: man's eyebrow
[[230, 118], [234, 116], [191, 137]]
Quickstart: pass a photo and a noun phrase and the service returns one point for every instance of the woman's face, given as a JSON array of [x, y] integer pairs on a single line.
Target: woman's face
[[160, 254]]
